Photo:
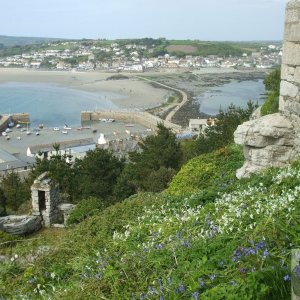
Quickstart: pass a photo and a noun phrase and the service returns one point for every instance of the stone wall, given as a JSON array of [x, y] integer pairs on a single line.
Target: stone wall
[[274, 140], [143, 118]]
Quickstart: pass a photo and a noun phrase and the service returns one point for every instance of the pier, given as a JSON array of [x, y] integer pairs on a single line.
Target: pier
[[142, 118]]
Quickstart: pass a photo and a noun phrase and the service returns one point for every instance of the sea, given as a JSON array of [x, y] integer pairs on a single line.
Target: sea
[[54, 105], [235, 92], [50, 104]]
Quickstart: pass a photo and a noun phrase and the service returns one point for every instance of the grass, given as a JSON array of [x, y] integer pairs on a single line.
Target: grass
[[171, 245]]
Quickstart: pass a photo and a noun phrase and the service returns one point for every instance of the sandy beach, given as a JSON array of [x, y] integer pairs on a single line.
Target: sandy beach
[[139, 94]]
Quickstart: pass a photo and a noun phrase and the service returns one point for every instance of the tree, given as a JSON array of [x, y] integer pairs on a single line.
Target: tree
[[152, 168], [221, 134], [60, 168], [160, 150], [14, 190], [272, 81], [97, 174], [272, 85], [2, 203]]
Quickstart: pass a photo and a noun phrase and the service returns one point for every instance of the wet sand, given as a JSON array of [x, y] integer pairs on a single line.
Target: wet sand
[[139, 95]]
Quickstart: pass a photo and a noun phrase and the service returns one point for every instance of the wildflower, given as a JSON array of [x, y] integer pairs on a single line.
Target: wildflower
[[287, 278], [160, 246], [243, 270], [212, 276], [260, 245], [31, 281], [160, 282], [195, 295], [266, 253], [201, 282], [181, 288]]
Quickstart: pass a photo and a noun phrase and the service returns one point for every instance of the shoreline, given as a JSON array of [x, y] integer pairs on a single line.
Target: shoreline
[[138, 95]]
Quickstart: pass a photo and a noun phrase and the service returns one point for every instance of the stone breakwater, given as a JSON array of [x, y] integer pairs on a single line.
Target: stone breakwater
[[274, 140], [142, 118], [17, 118]]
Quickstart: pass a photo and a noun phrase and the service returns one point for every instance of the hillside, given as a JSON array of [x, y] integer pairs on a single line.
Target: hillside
[[170, 246], [11, 41]]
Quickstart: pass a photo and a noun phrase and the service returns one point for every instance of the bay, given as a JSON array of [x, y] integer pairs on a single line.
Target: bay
[[51, 105], [235, 92]]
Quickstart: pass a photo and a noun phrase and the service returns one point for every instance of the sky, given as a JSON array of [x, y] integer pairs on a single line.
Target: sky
[[214, 20]]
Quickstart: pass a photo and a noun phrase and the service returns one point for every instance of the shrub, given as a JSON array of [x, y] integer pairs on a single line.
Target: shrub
[[85, 208]]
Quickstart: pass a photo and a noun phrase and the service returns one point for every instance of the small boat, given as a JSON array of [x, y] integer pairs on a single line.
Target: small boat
[[129, 125], [127, 131], [18, 138], [66, 127], [64, 131], [56, 128], [4, 133], [37, 133], [7, 137], [7, 130], [110, 120], [18, 125], [11, 124], [28, 132]]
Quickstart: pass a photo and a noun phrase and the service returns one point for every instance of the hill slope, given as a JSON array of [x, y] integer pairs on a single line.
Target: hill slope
[[157, 246], [10, 41]]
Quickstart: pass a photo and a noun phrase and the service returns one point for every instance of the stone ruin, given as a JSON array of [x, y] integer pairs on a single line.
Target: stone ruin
[[47, 211], [274, 140]]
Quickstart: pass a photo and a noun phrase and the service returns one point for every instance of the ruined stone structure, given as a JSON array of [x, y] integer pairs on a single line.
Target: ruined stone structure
[[47, 211], [274, 140], [45, 199]]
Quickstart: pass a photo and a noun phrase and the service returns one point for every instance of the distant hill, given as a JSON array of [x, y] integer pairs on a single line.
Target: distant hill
[[10, 41]]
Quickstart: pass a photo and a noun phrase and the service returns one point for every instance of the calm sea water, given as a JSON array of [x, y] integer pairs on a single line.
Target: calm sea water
[[237, 93], [50, 104], [55, 105]]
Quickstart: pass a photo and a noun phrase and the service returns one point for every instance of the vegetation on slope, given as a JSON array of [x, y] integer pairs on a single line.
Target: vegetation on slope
[[272, 84], [158, 246]]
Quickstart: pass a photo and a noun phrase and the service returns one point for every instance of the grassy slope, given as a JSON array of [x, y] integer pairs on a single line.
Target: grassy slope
[[160, 246]]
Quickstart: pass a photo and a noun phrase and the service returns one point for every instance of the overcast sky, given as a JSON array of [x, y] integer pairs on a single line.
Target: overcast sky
[[180, 19]]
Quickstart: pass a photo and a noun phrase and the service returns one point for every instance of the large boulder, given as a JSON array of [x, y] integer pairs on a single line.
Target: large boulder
[[267, 141]]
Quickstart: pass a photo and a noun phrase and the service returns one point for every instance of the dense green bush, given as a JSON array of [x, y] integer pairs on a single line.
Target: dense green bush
[[209, 173], [84, 209]]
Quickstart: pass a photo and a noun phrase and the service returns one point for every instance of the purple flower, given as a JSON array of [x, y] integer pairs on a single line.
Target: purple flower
[[195, 295], [160, 246], [243, 270], [181, 288], [212, 276], [201, 282], [266, 253], [260, 245], [287, 278]]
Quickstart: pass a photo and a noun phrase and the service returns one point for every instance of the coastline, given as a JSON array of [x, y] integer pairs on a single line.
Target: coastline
[[138, 94]]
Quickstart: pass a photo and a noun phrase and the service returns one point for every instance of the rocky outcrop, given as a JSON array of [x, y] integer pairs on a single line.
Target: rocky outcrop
[[274, 140], [20, 225], [268, 141]]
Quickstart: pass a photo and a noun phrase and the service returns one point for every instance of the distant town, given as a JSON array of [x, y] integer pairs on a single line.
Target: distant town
[[131, 56]]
